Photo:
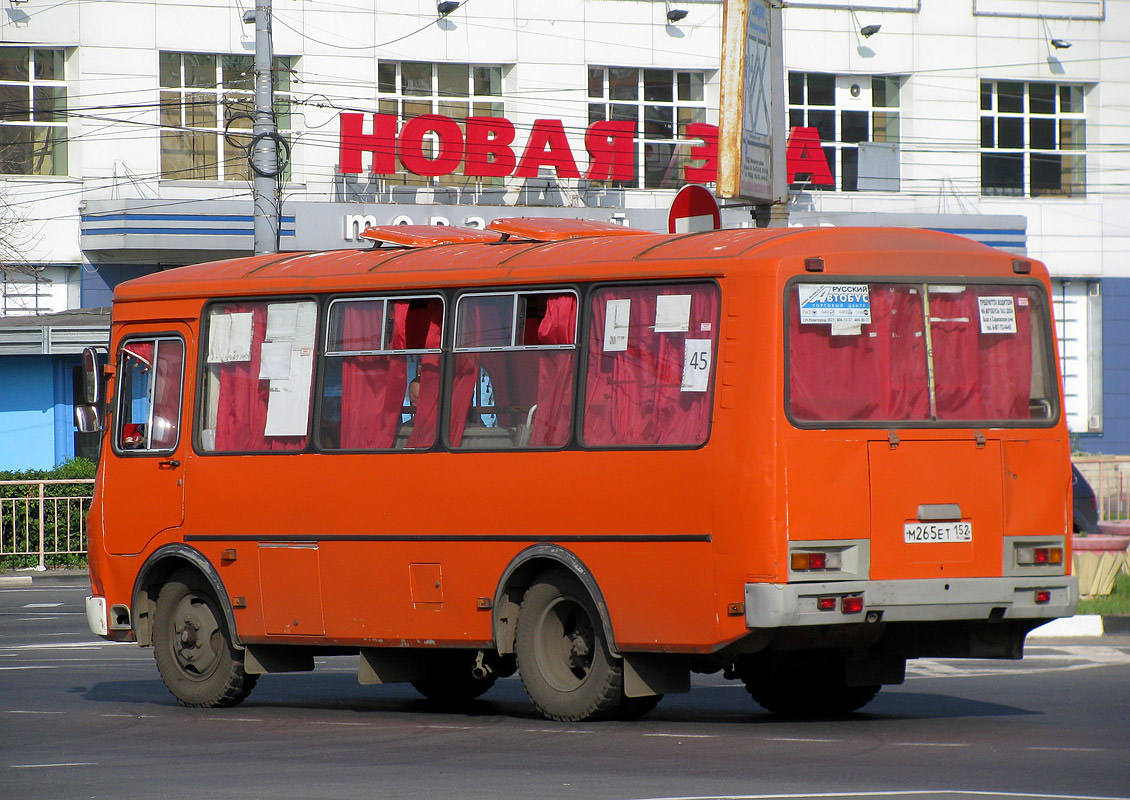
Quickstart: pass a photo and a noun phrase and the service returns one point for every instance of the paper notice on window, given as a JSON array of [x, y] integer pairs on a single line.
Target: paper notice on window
[[229, 337], [274, 361], [617, 315], [288, 403], [696, 366], [998, 315], [672, 313], [830, 303], [282, 320]]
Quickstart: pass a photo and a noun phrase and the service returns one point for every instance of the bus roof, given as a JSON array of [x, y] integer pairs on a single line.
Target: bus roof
[[596, 256]]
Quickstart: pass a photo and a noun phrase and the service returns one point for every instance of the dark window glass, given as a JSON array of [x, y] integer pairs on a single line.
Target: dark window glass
[[1041, 98], [1010, 132], [854, 127], [1010, 97], [821, 89]]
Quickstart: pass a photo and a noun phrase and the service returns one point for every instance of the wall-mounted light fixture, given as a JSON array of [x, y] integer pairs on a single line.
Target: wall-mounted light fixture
[[1060, 44], [675, 14], [868, 31], [445, 7]]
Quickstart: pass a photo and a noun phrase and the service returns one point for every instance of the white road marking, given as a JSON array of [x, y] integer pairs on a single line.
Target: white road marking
[[802, 740], [62, 764], [19, 711], [917, 793], [42, 605]]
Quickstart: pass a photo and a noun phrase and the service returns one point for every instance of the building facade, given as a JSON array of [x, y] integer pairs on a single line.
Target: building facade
[[125, 128]]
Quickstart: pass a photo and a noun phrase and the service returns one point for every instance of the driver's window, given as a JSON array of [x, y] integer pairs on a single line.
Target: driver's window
[[150, 374]]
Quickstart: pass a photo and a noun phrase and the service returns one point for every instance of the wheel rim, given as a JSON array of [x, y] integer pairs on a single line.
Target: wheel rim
[[197, 639], [565, 644]]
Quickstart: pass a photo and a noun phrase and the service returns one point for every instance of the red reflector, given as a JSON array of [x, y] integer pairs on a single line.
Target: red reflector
[[852, 605], [1041, 555], [1043, 596], [817, 561], [814, 265], [826, 603]]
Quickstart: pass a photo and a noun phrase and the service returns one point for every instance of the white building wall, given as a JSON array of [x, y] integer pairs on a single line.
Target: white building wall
[[942, 48]]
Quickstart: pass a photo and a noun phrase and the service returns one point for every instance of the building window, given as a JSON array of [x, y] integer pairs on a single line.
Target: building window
[[1078, 323], [661, 102], [409, 89], [33, 112], [207, 108], [1032, 139], [845, 110]]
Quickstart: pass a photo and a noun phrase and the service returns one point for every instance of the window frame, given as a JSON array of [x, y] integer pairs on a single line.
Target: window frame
[[53, 122], [120, 396], [1048, 364], [230, 134], [990, 112]]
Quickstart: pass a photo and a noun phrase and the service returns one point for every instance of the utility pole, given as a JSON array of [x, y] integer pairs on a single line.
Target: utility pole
[[265, 136]]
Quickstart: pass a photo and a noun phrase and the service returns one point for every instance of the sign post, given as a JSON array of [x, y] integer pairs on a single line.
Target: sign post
[[751, 130]]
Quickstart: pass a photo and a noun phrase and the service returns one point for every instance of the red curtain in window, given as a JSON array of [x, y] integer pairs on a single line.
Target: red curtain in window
[[166, 400], [426, 324], [242, 399], [372, 386], [553, 418], [875, 373], [634, 396], [978, 375], [482, 320]]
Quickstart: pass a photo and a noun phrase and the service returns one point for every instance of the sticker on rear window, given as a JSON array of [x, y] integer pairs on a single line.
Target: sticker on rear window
[[824, 303], [997, 314]]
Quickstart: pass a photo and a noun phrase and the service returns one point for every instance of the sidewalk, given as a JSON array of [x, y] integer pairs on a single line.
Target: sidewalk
[[29, 577]]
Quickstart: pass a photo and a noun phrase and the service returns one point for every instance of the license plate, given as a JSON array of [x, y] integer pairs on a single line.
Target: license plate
[[938, 532]]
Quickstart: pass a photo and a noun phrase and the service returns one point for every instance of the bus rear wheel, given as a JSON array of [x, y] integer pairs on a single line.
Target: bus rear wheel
[[193, 649], [563, 657], [803, 685]]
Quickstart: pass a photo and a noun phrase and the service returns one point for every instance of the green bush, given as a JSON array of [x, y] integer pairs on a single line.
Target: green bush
[[13, 519]]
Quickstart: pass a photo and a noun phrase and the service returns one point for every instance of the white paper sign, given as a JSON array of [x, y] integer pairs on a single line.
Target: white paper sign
[[229, 337], [288, 404], [696, 366], [282, 320], [997, 314], [616, 318], [672, 313], [274, 361]]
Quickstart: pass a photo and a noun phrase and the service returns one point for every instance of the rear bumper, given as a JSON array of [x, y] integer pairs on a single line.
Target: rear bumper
[[774, 605]]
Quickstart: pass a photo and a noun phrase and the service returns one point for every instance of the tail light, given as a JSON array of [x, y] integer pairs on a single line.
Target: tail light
[[804, 561], [1039, 556]]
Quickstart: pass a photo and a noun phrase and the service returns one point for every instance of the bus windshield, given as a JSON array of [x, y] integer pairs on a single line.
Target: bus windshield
[[919, 353]]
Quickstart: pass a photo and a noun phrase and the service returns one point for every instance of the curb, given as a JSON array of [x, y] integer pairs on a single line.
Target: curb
[[32, 577]]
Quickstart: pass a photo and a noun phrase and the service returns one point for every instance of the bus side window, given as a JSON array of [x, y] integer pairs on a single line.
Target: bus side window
[[515, 361], [650, 373], [382, 373], [259, 376], [149, 395]]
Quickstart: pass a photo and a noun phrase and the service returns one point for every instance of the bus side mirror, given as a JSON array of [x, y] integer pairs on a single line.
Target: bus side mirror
[[91, 376], [86, 419], [86, 415]]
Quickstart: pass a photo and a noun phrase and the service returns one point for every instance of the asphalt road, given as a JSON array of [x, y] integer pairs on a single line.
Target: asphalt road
[[82, 718]]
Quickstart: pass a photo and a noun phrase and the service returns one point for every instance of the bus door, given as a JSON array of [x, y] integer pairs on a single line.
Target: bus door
[[149, 440]]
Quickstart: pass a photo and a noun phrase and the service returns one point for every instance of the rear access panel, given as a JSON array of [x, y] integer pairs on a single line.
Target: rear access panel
[[936, 509]]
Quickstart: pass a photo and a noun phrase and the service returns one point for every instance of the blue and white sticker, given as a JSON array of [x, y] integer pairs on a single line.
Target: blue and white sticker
[[825, 303]]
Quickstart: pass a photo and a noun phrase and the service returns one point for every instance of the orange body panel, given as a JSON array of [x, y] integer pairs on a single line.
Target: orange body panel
[[402, 548]]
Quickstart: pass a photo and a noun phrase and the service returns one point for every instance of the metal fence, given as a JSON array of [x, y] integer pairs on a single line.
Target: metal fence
[[44, 518], [1109, 476]]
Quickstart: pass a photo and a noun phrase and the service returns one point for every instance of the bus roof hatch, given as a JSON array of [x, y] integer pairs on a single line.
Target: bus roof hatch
[[426, 235], [553, 229]]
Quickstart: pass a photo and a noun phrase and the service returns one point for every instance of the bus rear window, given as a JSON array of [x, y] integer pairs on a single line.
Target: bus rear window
[[919, 353]]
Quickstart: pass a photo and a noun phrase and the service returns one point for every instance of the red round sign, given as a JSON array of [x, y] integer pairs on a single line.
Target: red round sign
[[694, 209]]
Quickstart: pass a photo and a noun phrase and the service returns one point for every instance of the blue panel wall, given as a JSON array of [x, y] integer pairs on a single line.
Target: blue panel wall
[[36, 411], [1115, 438], [98, 282], [27, 413]]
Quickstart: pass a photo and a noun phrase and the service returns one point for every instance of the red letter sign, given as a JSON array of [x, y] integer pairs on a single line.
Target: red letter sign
[[381, 143], [707, 152], [611, 151], [488, 151], [412, 145], [547, 145], [805, 155]]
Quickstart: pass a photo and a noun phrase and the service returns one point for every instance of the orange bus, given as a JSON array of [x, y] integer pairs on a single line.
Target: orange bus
[[601, 458]]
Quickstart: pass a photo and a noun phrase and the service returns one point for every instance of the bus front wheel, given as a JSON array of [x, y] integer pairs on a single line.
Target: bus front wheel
[[563, 657], [192, 647]]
